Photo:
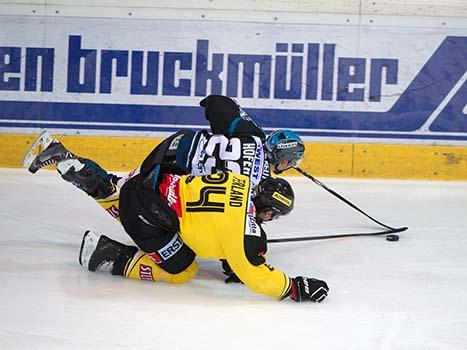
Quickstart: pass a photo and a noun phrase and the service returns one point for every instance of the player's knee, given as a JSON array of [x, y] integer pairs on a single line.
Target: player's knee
[[143, 267], [110, 205], [166, 249], [186, 275], [173, 255]]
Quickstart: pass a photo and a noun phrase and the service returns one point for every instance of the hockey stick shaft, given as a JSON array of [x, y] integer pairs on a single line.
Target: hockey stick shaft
[[317, 238], [346, 201]]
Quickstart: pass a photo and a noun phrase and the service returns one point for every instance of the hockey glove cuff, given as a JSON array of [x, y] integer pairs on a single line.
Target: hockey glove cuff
[[308, 289]]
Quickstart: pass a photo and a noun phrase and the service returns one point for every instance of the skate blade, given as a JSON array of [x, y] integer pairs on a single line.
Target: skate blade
[[42, 142]]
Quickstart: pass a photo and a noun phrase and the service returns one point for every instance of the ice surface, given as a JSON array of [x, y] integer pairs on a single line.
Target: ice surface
[[410, 294]]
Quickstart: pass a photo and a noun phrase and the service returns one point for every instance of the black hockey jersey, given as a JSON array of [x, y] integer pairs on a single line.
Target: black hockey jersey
[[236, 143]]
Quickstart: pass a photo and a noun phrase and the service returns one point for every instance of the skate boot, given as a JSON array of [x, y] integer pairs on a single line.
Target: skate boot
[[100, 253], [45, 151], [88, 176]]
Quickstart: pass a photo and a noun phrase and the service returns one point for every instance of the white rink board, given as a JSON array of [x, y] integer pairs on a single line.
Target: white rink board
[[448, 8], [346, 76], [235, 38]]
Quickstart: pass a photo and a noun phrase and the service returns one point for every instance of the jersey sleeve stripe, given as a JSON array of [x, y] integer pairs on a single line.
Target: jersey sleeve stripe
[[287, 287], [233, 126]]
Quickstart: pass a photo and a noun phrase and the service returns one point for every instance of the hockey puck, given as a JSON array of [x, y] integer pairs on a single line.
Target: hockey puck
[[392, 238]]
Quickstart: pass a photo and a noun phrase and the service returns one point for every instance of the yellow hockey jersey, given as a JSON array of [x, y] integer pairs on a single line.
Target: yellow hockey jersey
[[216, 213]]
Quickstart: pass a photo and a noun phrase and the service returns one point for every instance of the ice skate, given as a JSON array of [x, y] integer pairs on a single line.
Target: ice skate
[[99, 252], [45, 151]]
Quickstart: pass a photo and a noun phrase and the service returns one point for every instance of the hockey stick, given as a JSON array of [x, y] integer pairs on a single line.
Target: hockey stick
[[390, 230], [316, 238], [346, 201]]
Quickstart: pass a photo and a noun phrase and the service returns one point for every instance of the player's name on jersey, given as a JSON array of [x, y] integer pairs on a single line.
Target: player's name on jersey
[[237, 192]]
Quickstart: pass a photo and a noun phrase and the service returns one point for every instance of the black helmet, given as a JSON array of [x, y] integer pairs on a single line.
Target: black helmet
[[276, 195]]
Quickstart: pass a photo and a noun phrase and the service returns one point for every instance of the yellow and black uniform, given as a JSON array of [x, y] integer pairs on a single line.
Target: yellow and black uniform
[[217, 220], [235, 143]]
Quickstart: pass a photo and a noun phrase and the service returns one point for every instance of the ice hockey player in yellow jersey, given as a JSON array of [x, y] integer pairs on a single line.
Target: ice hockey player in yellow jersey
[[166, 214], [214, 216]]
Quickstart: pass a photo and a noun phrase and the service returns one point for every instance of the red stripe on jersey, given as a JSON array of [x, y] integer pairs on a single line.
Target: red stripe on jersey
[[169, 189]]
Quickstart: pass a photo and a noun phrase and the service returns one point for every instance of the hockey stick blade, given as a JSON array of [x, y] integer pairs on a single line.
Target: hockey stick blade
[[344, 235]]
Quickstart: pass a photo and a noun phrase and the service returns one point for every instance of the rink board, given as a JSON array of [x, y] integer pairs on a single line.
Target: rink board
[[321, 159], [371, 98]]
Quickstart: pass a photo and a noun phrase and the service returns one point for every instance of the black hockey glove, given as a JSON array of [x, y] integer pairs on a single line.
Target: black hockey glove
[[308, 289], [231, 276]]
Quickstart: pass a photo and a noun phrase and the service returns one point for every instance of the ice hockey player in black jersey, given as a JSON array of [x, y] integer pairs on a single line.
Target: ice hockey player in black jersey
[[236, 144]]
